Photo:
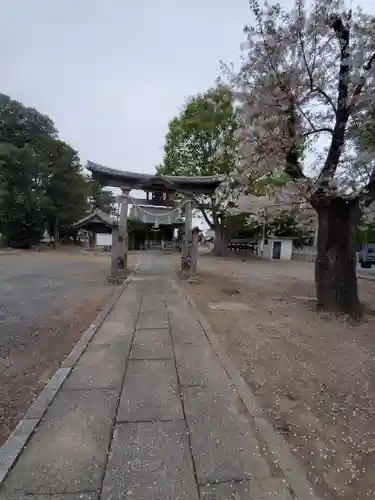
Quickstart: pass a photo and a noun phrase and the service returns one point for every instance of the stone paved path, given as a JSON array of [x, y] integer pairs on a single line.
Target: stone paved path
[[148, 412]]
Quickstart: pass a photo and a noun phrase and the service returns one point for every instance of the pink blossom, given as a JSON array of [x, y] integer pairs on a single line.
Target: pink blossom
[[307, 75]]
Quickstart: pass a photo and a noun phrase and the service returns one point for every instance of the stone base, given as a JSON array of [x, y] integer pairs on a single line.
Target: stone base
[[123, 273], [194, 280], [119, 279], [185, 274], [114, 281]]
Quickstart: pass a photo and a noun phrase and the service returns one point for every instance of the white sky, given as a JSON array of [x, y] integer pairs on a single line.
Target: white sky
[[112, 74]]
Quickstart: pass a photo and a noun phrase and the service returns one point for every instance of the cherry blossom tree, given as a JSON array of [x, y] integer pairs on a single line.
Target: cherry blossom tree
[[307, 77]]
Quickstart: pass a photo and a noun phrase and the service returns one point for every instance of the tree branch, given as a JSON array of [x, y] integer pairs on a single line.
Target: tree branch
[[293, 167], [342, 32], [205, 216], [313, 87], [318, 131], [362, 80]]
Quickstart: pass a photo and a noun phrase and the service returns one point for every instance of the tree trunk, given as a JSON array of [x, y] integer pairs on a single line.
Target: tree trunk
[[336, 260], [221, 242]]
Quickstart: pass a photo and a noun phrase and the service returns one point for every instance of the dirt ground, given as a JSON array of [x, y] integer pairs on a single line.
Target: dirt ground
[[37, 344], [314, 374]]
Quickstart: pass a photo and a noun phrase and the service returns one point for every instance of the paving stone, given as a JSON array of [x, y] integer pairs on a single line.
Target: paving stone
[[131, 293], [264, 489], [152, 306], [199, 365], [150, 461], [127, 316], [14, 445], [142, 278], [67, 496], [188, 319], [75, 354], [128, 308], [113, 331], [187, 333], [154, 296], [130, 301], [150, 344], [58, 378], [180, 312], [150, 392], [68, 451], [224, 446], [152, 320], [41, 403], [100, 367], [149, 287]]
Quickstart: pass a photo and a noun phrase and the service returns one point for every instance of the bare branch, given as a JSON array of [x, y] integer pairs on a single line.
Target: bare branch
[[321, 92], [318, 131], [293, 165], [342, 32], [314, 130], [313, 87], [202, 208]]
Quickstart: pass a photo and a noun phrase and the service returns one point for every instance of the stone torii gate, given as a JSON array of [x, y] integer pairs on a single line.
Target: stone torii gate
[[160, 187]]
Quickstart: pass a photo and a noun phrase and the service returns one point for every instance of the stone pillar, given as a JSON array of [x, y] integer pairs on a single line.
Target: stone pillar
[[194, 256], [187, 241], [88, 241], [114, 254], [123, 233]]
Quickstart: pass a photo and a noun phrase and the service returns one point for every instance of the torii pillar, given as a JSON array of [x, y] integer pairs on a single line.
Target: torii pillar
[[122, 243], [187, 241]]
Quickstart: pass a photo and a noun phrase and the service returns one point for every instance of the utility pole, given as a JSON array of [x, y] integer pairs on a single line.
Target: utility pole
[[263, 215]]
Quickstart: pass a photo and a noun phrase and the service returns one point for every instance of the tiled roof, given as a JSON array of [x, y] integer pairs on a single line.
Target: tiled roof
[[99, 215]]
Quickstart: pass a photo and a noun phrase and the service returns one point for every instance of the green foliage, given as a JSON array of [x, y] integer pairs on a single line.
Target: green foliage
[[237, 226], [366, 232], [201, 141], [42, 185], [23, 126], [101, 198], [21, 196], [66, 189], [137, 226]]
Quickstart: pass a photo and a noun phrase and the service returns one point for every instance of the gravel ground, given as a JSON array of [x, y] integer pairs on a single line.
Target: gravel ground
[[314, 373], [47, 300]]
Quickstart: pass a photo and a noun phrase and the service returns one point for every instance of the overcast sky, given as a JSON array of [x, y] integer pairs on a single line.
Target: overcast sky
[[111, 74]]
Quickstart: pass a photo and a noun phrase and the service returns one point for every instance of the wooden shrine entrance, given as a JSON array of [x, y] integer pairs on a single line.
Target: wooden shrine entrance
[[170, 201]]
